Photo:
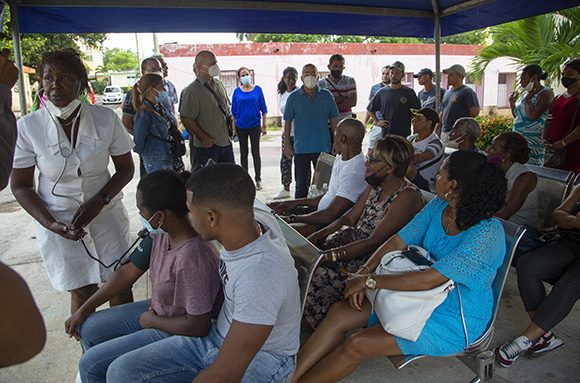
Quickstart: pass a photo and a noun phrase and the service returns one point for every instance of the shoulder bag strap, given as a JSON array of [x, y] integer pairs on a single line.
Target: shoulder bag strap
[[462, 316], [217, 99], [332, 85]]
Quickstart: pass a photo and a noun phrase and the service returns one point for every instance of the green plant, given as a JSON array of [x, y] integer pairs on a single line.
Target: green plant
[[491, 126]]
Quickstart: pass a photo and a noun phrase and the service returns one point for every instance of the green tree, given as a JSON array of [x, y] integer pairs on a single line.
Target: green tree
[[119, 60], [35, 45], [547, 40]]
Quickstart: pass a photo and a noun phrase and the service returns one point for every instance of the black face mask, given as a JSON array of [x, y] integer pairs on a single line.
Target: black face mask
[[336, 73], [567, 82], [375, 180]]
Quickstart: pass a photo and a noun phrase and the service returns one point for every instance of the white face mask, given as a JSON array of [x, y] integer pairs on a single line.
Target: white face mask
[[310, 82], [454, 144], [214, 70], [62, 112], [529, 87]]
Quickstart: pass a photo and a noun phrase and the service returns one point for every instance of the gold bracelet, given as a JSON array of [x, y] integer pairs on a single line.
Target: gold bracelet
[[563, 143], [367, 268]]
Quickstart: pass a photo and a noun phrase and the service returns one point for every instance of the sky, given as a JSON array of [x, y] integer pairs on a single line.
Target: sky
[[128, 40]]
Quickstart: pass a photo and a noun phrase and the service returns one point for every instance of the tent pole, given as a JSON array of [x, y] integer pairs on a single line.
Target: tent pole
[[437, 33], [18, 57]]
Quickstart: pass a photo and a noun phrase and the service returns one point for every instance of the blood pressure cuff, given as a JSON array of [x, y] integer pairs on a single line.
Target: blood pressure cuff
[[142, 254]]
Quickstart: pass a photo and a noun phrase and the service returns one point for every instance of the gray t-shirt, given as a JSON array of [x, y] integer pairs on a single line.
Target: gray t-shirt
[[456, 104], [395, 106], [427, 99], [200, 105], [261, 287]]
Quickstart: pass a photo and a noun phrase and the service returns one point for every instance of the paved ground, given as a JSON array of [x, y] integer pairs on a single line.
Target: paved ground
[[58, 361]]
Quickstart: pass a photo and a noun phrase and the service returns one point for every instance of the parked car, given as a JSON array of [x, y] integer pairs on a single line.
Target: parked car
[[112, 95]]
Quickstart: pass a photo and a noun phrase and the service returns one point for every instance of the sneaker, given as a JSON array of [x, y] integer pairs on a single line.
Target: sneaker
[[547, 342], [283, 194], [507, 353], [258, 185]]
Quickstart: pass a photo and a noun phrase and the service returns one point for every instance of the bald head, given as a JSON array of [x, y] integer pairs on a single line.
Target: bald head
[[203, 60], [353, 129]]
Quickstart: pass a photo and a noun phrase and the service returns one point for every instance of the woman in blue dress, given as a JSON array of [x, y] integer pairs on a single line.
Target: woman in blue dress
[[531, 111], [466, 244]]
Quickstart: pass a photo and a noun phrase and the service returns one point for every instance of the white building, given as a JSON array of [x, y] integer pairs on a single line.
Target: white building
[[362, 61]]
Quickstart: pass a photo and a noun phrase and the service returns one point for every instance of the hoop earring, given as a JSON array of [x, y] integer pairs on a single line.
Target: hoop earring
[[448, 196]]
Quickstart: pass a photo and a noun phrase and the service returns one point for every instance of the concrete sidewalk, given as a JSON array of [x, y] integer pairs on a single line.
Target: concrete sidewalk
[[58, 361]]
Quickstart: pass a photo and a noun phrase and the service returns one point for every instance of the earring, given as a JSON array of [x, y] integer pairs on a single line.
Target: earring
[[448, 196]]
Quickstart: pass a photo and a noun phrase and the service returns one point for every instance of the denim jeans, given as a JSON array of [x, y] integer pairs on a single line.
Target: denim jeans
[[181, 359], [216, 153], [110, 333]]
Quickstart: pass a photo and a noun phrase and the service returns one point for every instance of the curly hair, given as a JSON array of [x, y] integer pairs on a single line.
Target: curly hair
[[481, 187], [395, 151], [515, 145], [71, 60]]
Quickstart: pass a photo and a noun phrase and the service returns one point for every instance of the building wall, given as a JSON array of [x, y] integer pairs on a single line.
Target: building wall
[[362, 61]]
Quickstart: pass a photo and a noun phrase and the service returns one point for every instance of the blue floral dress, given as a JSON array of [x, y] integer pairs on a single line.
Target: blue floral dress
[[471, 258]]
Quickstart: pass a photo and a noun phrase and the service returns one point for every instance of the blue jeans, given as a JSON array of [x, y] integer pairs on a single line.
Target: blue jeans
[[181, 359], [110, 333], [216, 153]]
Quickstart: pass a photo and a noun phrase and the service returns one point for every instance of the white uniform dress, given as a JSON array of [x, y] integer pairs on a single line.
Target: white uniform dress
[[101, 135]]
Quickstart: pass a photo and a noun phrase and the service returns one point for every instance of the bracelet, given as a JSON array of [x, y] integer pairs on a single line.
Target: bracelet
[[291, 218], [364, 267], [563, 143]]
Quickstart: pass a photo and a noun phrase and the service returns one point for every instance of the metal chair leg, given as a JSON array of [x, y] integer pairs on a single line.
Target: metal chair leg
[[482, 364]]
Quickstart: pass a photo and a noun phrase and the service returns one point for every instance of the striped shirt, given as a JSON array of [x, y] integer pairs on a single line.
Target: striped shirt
[[429, 168], [345, 87]]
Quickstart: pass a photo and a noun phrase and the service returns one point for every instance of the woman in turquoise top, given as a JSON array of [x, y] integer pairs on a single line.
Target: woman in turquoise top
[[467, 246], [531, 110]]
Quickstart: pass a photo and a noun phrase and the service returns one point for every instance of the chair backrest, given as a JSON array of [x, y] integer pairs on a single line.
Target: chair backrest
[[306, 255], [571, 185], [563, 176], [550, 195], [323, 170], [513, 234]]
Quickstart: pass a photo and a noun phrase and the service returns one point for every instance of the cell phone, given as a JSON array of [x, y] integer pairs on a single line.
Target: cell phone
[[417, 258]]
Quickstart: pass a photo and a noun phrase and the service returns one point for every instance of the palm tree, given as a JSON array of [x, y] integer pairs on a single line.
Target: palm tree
[[547, 40]]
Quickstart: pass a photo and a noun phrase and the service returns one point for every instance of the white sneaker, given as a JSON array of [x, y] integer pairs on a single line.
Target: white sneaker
[[282, 194], [507, 353], [258, 185]]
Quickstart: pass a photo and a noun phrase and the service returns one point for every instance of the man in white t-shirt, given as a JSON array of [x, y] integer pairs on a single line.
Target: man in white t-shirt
[[256, 335], [346, 183], [429, 150]]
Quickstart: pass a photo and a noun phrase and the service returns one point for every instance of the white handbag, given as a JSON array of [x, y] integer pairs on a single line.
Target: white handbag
[[404, 313]]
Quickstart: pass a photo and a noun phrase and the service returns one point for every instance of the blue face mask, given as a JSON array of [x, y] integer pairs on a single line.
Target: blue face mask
[[162, 97], [147, 225], [246, 80]]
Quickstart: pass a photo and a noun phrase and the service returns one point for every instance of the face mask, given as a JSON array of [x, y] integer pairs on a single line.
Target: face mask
[[63, 112], [162, 97], [567, 82], [147, 225], [336, 73], [310, 82], [214, 70], [375, 180], [246, 80], [529, 87]]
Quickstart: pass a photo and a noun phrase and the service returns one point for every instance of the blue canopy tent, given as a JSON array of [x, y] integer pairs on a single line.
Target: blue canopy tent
[[410, 18]]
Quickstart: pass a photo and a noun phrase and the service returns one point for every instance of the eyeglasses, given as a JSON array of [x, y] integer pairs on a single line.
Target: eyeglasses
[[372, 160]]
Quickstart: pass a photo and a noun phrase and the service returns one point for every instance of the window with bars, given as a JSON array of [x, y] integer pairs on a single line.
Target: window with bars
[[230, 80], [505, 86]]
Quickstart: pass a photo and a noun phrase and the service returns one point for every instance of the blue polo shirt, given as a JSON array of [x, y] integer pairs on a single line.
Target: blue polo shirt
[[310, 116]]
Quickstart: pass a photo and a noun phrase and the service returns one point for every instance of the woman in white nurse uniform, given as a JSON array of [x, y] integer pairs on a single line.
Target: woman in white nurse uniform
[[70, 143]]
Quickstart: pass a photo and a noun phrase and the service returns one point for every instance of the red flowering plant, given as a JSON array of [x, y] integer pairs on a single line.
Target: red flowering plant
[[491, 126]]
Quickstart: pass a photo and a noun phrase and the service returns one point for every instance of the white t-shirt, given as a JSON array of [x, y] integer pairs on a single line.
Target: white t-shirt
[[260, 286], [528, 213], [283, 99], [347, 180], [432, 144]]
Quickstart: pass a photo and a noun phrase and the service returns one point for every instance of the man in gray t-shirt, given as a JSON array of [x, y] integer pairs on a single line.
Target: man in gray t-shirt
[[256, 335], [459, 101], [395, 103]]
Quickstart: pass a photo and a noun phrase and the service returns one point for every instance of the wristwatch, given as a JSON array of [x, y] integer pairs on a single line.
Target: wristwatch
[[106, 198], [291, 218], [371, 283]]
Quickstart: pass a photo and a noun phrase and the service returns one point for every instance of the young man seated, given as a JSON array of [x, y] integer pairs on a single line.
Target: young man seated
[[346, 183], [256, 335]]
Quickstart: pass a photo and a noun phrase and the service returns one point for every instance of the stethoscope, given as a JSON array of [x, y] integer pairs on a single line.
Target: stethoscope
[[66, 153]]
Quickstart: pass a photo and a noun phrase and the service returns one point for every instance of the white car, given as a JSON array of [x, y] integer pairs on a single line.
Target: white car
[[112, 95]]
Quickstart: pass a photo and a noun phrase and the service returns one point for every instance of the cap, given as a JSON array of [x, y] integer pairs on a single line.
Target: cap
[[399, 65], [456, 69], [429, 114], [422, 72]]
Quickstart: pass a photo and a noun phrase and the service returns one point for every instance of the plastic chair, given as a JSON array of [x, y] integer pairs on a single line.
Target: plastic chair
[[476, 356], [555, 174], [323, 170]]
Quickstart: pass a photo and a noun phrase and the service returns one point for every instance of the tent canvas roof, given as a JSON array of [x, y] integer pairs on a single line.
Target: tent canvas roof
[[412, 18]]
